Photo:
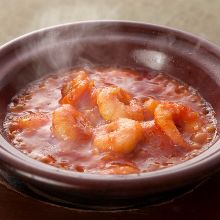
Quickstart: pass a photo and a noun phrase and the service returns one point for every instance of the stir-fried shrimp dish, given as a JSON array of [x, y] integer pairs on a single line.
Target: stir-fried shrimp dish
[[110, 121]]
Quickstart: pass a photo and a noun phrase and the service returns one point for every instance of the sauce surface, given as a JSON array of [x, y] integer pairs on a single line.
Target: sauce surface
[[110, 121]]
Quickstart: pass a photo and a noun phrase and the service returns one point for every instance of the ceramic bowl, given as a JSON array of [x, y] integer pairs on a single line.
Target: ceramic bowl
[[107, 43]]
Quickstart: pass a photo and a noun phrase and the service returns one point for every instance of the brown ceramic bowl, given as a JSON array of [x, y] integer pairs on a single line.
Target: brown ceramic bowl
[[187, 57]]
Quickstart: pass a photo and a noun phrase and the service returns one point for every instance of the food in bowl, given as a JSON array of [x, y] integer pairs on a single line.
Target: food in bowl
[[110, 121]]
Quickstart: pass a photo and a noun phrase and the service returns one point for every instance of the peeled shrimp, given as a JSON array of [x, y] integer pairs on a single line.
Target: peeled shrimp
[[69, 124], [167, 115], [74, 89], [120, 136], [149, 107], [115, 103], [30, 121]]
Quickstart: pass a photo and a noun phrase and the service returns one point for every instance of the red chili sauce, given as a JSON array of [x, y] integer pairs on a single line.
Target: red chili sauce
[[110, 121]]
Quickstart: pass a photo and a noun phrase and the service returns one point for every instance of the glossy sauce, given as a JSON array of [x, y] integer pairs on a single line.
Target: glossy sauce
[[154, 152]]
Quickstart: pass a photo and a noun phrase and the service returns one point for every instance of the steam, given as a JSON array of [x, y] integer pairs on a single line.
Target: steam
[[54, 50], [58, 57]]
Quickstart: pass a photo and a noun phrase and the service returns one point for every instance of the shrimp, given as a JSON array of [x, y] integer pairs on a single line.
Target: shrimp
[[74, 89], [120, 136], [115, 103], [30, 121], [149, 107], [69, 124], [167, 115]]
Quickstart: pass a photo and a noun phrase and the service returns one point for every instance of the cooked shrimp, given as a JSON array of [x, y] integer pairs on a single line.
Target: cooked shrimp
[[120, 136], [149, 107], [69, 124], [74, 89], [167, 115], [30, 121], [115, 103]]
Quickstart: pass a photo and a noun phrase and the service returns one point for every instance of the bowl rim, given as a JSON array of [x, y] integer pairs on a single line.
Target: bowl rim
[[206, 161]]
